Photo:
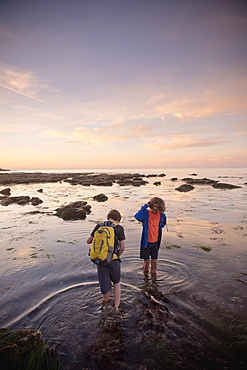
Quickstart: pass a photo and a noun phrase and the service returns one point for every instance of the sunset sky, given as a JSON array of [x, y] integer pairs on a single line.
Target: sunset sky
[[123, 84]]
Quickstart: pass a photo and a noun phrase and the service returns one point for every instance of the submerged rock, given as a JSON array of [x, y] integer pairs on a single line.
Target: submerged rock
[[74, 211], [222, 185], [184, 188], [25, 349]]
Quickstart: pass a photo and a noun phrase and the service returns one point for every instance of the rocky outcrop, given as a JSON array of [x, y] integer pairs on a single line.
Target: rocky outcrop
[[84, 179], [100, 198], [74, 211], [25, 349], [203, 181], [222, 185], [21, 200], [184, 188]]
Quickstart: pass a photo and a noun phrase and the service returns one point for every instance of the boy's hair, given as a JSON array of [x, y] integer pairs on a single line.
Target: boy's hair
[[114, 215], [160, 202]]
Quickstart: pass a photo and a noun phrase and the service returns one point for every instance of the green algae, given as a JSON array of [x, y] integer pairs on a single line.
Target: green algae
[[26, 350]]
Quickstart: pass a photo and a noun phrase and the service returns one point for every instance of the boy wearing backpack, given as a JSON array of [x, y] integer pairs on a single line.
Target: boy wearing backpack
[[110, 272], [153, 219]]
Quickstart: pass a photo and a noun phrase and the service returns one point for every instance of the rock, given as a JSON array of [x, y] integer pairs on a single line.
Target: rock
[[152, 175], [5, 201], [222, 185], [100, 198], [74, 211], [174, 179], [2, 169], [40, 190], [139, 182], [162, 175], [6, 191], [203, 181], [157, 183], [35, 201], [193, 174], [25, 349], [21, 200], [84, 179], [185, 188], [73, 214]]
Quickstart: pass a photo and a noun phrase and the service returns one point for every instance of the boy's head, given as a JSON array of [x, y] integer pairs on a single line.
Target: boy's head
[[114, 215], [157, 205]]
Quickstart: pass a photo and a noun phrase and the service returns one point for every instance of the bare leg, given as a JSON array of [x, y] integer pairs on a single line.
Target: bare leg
[[106, 298], [117, 294], [146, 266], [153, 266], [153, 269]]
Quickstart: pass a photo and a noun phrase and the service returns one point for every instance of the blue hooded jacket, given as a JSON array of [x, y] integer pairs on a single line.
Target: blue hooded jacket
[[142, 216]]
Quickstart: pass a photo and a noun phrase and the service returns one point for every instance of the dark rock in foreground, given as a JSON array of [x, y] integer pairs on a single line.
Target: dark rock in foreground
[[184, 188], [25, 349], [100, 198], [74, 211], [222, 185]]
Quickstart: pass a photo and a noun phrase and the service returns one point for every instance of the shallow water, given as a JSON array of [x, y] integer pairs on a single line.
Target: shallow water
[[195, 312]]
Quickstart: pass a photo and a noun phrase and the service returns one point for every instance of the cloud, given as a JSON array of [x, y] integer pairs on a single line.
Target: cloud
[[241, 127], [21, 82], [181, 142], [94, 135], [188, 109]]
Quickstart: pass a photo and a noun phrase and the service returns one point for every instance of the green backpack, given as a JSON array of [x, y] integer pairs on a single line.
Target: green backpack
[[102, 249]]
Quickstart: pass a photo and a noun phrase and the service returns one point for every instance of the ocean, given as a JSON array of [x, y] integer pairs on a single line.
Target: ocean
[[192, 317]]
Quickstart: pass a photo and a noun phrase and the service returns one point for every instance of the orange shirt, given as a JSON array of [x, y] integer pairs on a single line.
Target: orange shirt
[[153, 226]]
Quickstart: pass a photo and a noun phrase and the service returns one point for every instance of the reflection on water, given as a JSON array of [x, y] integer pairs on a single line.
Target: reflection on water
[[193, 316]]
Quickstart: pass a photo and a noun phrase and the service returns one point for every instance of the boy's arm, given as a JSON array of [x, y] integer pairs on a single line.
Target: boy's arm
[[140, 214], [121, 247], [90, 238]]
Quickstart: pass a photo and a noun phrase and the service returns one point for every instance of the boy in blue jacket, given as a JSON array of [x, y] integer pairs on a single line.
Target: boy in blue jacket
[[153, 219]]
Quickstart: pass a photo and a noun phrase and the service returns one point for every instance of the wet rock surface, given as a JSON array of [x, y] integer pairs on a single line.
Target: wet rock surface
[[100, 198], [204, 181], [6, 191], [74, 211], [184, 188], [85, 179], [25, 349], [21, 200], [222, 185]]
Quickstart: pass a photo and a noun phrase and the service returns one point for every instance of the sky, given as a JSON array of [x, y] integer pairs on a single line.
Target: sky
[[123, 84]]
